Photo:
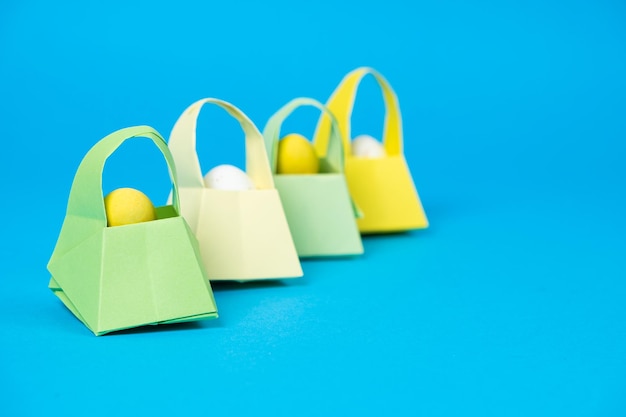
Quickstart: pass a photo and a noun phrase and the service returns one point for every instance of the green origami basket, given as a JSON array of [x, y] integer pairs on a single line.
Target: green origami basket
[[319, 209], [114, 278]]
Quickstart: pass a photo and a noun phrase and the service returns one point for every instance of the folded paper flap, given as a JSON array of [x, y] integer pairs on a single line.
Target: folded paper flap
[[77, 271], [333, 155], [182, 143], [86, 199], [75, 230], [341, 104]]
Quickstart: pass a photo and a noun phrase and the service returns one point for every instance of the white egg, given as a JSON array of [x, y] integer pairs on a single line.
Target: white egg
[[366, 146], [228, 177]]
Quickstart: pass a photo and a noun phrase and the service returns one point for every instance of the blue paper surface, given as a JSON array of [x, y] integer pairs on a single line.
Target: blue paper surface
[[510, 304]]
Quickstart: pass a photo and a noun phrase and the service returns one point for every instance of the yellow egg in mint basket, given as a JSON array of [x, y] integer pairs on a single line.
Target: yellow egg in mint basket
[[296, 155], [127, 206]]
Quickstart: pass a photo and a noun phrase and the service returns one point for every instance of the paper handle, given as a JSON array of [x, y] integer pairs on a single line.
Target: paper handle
[[182, 144], [334, 152], [86, 198], [341, 104]]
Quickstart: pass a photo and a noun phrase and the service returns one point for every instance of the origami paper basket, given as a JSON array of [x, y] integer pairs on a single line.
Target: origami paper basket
[[381, 187], [243, 234], [114, 278], [318, 206]]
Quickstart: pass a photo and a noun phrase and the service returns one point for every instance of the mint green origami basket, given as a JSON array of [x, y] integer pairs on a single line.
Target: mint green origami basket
[[319, 209], [115, 278]]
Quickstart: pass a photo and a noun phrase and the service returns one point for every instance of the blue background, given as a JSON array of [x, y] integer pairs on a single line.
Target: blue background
[[511, 304]]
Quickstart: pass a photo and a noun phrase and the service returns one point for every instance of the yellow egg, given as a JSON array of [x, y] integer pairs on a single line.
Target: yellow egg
[[296, 155], [128, 206]]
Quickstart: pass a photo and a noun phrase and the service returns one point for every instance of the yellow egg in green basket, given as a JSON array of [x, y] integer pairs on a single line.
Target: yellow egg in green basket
[[128, 206], [296, 155]]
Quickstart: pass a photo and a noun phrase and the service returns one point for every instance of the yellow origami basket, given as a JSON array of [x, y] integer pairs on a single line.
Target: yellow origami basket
[[381, 187]]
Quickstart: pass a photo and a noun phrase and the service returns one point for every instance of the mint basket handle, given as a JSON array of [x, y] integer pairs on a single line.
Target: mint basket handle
[[86, 198], [333, 155]]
